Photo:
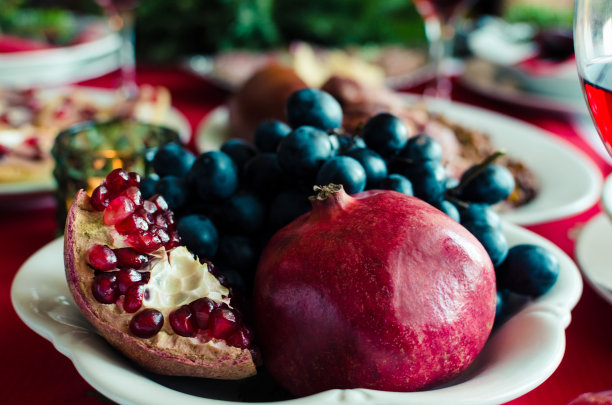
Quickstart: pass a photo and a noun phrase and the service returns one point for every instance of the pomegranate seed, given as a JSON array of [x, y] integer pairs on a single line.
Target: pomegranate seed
[[118, 210], [169, 215], [159, 201], [183, 323], [116, 181], [160, 219], [133, 193], [100, 198], [144, 242], [240, 339], [127, 278], [104, 288], [162, 235], [149, 206], [175, 240], [130, 258], [102, 258], [147, 323], [132, 224], [146, 276], [142, 212], [222, 322], [201, 309], [133, 179], [133, 298]]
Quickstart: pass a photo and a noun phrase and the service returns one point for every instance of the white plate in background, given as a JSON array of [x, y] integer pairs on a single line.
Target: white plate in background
[[519, 355]]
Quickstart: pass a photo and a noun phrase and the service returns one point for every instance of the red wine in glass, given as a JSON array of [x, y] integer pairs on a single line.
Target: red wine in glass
[[597, 82]]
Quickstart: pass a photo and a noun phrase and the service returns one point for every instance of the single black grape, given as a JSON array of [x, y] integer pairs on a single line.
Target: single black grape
[[529, 270], [386, 134], [147, 185], [374, 165], [396, 182], [448, 208], [422, 147], [214, 176], [174, 190], [303, 152], [343, 170], [172, 160], [492, 239], [199, 235], [428, 180], [313, 107], [268, 135], [492, 185], [242, 213]]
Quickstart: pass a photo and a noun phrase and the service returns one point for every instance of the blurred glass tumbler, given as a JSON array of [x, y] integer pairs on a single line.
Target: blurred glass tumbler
[[85, 153]]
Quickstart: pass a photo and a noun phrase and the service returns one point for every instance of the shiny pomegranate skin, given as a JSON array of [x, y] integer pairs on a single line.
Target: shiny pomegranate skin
[[377, 290]]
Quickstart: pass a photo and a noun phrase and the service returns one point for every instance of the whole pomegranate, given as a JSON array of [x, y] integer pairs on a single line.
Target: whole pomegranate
[[144, 292], [375, 290]]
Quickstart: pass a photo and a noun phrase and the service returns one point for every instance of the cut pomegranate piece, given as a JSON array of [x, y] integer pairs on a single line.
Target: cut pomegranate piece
[[147, 323], [127, 278], [132, 224], [144, 242], [201, 309], [240, 338], [104, 288], [222, 322], [102, 258], [159, 201], [133, 193], [133, 298], [100, 198], [116, 181], [130, 258], [182, 322], [134, 179], [118, 209]]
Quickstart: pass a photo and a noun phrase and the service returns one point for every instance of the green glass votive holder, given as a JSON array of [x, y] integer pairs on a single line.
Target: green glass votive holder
[[85, 153]]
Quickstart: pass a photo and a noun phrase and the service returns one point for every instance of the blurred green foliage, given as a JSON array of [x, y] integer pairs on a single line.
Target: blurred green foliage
[[166, 30], [539, 16]]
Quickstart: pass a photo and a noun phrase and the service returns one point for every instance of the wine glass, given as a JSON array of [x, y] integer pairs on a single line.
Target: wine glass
[[593, 50], [121, 17], [440, 17]]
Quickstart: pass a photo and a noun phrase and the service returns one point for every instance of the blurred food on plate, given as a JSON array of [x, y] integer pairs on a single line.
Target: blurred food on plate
[[31, 119]]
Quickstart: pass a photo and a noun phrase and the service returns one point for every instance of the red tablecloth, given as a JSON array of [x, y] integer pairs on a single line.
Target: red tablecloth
[[35, 373]]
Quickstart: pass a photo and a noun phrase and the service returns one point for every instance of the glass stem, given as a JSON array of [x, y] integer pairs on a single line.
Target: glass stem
[[440, 35], [127, 58]]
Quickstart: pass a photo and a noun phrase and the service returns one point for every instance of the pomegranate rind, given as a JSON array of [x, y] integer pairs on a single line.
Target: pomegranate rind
[[388, 294], [163, 354]]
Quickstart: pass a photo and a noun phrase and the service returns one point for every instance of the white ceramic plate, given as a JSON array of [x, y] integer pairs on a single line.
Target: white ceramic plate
[[570, 181], [594, 255], [62, 65], [174, 120], [504, 84], [519, 355]]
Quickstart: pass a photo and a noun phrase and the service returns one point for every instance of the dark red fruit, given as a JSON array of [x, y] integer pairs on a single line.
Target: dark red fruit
[[133, 179], [119, 209], [170, 219], [222, 323], [201, 309], [127, 278], [133, 193], [104, 288], [100, 198], [160, 219], [142, 212], [102, 258], [147, 323], [116, 181], [159, 201], [144, 242], [175, 240], [240, 338], [133, 298], [132, 224], [130, 258], [183, 323]]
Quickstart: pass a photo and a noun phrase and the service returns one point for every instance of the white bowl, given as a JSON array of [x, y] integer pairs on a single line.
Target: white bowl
[[519, 355]]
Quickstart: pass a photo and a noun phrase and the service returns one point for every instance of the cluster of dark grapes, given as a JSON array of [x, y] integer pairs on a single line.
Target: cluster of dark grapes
[[229, 202]]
